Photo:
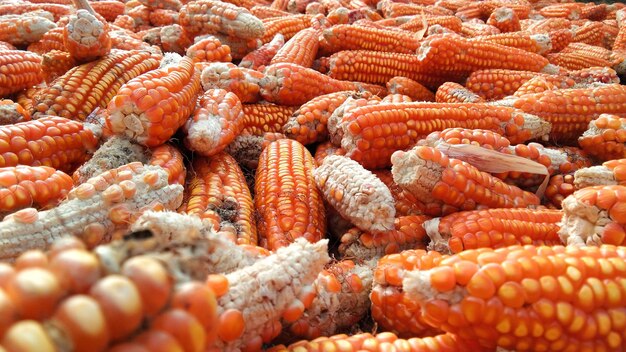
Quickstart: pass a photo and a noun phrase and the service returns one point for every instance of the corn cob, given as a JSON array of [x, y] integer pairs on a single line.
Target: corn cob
[[111, 200], [56, 63], [343, 15], [279, 4], [407, 86], [290, 84], [281, 163], [161, 17], [247, 148], [416, 23], [141, 16], [593, 75], [171, 160], [20, 69], [12, 113], [50, 141], [174, 39], [396, 9], [215, 123], [570, 110], [533, 43], [209, 50], [493, 228], [109, 10], [22, 30], [432, 177], [261, 57], [605, 138], [57, 10], [6, 46], [577, 60], [174, 5], [123, 39], [594, 12], [288, 26], [477, 28], [589, 33], [210, 16], [32, 186], [505, 19], [354, 37], [570, 11], [535, 85], [125, 22], [300, 50], [97, 82], [263, 12], [335, 121], [451, 92], [218, 190], [151, 117], [396, 99], [495, 84], [559, 187], [51, 40], [243, 82], [326, 149], [238, 47], [265, 117], [367, 203], [405, 203], [86, 35]]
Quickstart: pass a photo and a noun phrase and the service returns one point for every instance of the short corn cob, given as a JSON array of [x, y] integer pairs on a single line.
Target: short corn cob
[[356, 193], [171, 160], [505, 19], [31, 186], [288, 26], [56, 63], [407, 86], [151, 118], [287, 199], [611, 172], [98, 82], [605, 138], [85, 36], [22, 30], [50, 141], [290, 84], [108, 9], [174, 5], [218, 190], [174, 39], [455, 185], [209, 50], [451, 92], [51, 40], [301, 49], [243, 82], [559, 187], [210, 16], [12, 113], [215, 123], [499, 297], [493, 228], [535, 85], [20, 69], [261, 57], [265, 117], [354, 37], [111, 199]]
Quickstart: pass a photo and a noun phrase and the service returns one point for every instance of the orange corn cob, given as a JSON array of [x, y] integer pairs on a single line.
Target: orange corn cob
[[327, 149], [408, 234], [535, 85], [60, 143], [169, 158], [173, 5], [354, 37], [151, 118], [238, 47], [589, 33], [546, 25], [594, 12], [570, 11], [261, 57], [477, 28], [57, 10], [215, 123], [210, 16], [322, 64], [451, 92], [406, 204], [344, 16], [141, 15], [25, 98], [416, 23], [109, 10], [560, 39], [263, 12], [611, 172], [56, 63], [353, 102], [290, 84], [570, 110], [605, 138], [407, 86], [533, 43], [396, 9], [301, 49], [32, 186], [559, 187], [505, 19], [123, 39], [12, 113], [453, 184], [20, 69], [22, 30], [174, 39], [577, 60], [493, 228], [243, 82], [246, 149], [86, 35], [161, 17], [209, 50], [281, 163], [51, 40], [98, 82], [492, 296], [265, 117], [396, 99], [288, 26], [218, 191], [6, 46], [371, 141]]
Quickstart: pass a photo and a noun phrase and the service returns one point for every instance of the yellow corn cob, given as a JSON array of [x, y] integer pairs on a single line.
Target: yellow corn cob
[[151, 107], [20, 69], [265, 117], [12, 113], [210, 16], [406, 86], [261, 57], [209, 50], [243, 82], [301, 49]]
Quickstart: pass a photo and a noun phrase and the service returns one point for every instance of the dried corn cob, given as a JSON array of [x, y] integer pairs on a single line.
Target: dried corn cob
[[243, 82], [577, 60], [109, 10], [496, 83], [453, 184], [111, 200], [20, 69], [406, 204], [477, 28], [354, 37], [161, 17], [451, 92], [335, 121], [49, 141], [533, 43], [570, 11], [210, 16], [141, 15], [22, 30], [265, 117], [171, 160], [505, 19], [287, 209], [416, 23], [247, 148], [238, 47], [6, 46], [396, 99], [261, 57], [589, 33], [217, 120], [263, 12], [86, 36], [174, 39], [326, 149], [98, 82], [535, 85], [218, 190], [605, 138], [343, 15], [406, 86], [559, 187], [151, 117], [56, 63], [396, 9], [56, 10], [12, 113], [31, 186], [356, 193], [174, 5], [289, 84], [288, 26], [51, 40], [209, 50], [493, 228], [609, 173], [123, 39], [301, 49]]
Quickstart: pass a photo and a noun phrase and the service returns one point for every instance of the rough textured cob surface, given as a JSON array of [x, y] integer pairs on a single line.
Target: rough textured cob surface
[[209, 16], [612, 172]]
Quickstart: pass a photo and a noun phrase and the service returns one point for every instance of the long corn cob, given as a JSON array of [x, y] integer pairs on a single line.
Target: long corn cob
[[209, 50], [97, 82], [496, 84], [261, 57], [243, 82], [611, 172], [354, 37], [265, 117], [525, 298], [85, 36], [210, 16], [20, 69], [288, 26], [12, 112], [416, 23], [109, 10], [151, 107], [605, 138], [301, 49], [534, 43], [287, 199], [22, 30]]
